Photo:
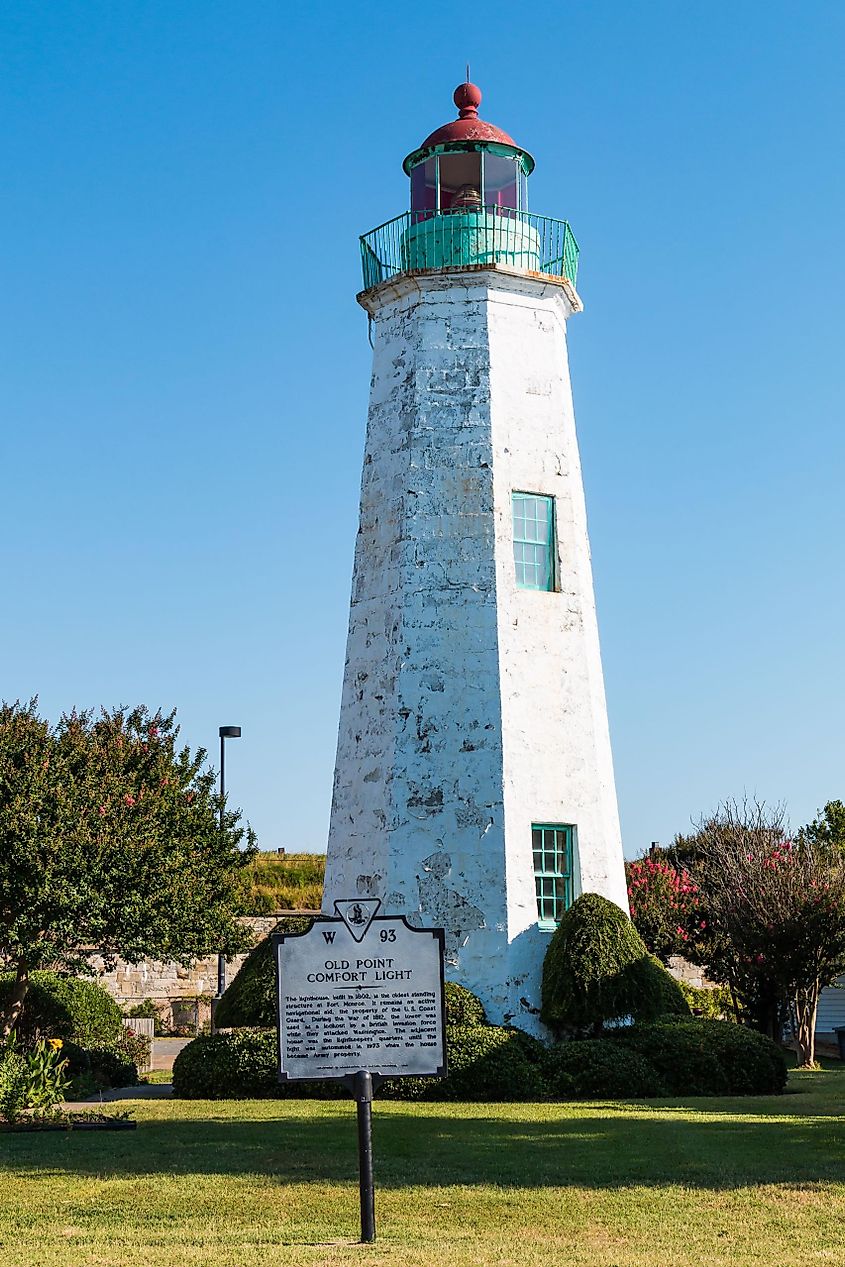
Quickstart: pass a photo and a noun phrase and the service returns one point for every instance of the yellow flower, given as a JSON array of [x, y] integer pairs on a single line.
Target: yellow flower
[[55, 1043]]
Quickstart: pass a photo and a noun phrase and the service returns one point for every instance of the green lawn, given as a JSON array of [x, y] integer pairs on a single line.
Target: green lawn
[[719, 1183]]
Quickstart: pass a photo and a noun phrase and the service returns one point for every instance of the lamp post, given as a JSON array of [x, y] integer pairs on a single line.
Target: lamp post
[[226, 732]]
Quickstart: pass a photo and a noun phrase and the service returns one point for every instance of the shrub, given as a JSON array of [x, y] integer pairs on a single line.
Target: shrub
[[489, 1063], [751, 1062], [485, 1063], [704, 1057], [714, 1003], [239, 1066], [14, 1082], [250, 1000], [64, 1007], [597, 969], [681, 1054], [133, 1048], [97, 1068], [462, 1006], [219, 1066], [597, 1067]]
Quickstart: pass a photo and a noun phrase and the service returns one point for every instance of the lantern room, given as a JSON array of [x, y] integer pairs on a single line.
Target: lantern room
[[469, 208], [467, 165]]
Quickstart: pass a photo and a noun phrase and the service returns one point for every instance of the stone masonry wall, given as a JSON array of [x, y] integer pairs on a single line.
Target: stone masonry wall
[[130, 983]]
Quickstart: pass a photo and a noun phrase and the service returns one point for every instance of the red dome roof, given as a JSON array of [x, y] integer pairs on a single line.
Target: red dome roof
[[468, 126]]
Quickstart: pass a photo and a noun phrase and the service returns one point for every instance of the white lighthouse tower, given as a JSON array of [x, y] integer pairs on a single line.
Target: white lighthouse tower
[[474, 782]]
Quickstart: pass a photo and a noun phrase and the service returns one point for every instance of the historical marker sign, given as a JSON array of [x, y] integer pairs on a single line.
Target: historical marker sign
[[360, 992]]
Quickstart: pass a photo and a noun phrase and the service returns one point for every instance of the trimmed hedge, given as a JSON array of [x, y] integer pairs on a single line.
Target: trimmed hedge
[[751, 1062], [495, 1063], [593, 1068], [681, 1056], [486, 1062], [490, 1063], [250, 1000], [70, 1008], [228, 1066], [673, 1057], [702, 1057], [597, 969]]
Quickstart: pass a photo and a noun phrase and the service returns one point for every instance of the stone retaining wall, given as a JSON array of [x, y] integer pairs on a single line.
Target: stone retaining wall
[[171, 987]]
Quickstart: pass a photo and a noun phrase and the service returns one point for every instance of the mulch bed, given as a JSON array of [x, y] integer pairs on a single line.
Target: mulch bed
[[70, 1122]]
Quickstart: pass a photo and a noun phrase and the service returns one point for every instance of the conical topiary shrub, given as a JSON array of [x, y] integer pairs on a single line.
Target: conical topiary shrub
[[597, 969], [463, 1007], [251, 998]]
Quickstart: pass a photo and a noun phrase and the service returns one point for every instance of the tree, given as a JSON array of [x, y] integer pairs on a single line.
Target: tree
[[663, 901], [828, 827], [776, 906], [110, 839]]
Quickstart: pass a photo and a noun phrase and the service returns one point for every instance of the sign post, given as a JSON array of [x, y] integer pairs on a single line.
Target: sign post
[[360, 999], [363, 1092]]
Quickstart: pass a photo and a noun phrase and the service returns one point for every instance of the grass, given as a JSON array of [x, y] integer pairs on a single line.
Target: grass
[[288, 882], [726, 1183]]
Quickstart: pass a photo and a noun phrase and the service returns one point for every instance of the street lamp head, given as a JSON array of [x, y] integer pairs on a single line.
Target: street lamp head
[[230, 732]]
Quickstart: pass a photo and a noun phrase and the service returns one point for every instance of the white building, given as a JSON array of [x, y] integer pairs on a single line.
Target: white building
[[831, 1013], [474, 782]]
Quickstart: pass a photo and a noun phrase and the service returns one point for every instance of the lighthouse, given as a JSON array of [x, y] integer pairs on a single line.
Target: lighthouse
[[473, 786]]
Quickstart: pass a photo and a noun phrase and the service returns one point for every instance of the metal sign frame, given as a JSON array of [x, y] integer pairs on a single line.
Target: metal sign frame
[[364, 1081], [378, 1076]]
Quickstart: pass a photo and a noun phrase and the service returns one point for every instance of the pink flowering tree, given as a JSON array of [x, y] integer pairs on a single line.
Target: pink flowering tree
[[664, 902], [110, 840], [776, 910]]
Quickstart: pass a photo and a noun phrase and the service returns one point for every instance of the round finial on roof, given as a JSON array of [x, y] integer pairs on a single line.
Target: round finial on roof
[[467, 131], [467, 98]]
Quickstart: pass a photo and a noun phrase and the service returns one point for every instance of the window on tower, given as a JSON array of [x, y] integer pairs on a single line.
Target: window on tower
[[552, 846], [424, 189], [534, 541], [460, 182], [500, 182]]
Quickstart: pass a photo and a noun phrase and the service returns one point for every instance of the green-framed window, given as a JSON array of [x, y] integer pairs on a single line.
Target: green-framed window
[[552, 846], [534, 541]]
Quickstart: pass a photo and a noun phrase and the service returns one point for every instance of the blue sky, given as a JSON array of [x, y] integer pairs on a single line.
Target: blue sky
[[184, 370]]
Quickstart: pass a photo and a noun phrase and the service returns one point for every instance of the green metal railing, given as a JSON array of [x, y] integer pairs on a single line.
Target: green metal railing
[[418, 241]]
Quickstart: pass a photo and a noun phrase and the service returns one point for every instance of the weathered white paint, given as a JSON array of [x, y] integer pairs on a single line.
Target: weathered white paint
[[470, 708]]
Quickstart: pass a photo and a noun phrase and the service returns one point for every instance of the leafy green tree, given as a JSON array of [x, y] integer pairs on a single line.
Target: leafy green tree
[[110, 839], [828, 827]]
